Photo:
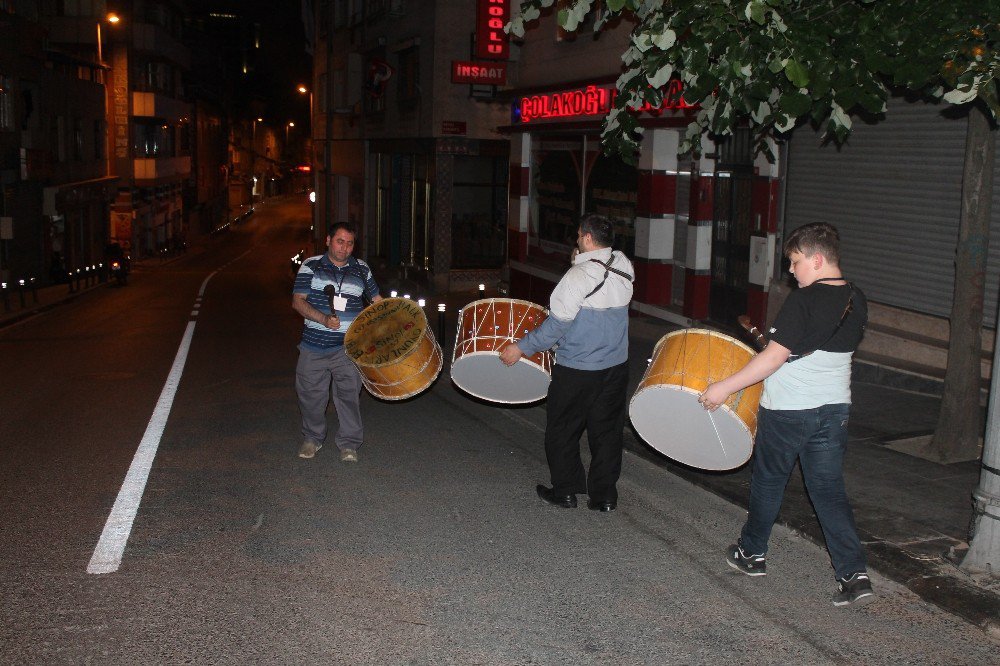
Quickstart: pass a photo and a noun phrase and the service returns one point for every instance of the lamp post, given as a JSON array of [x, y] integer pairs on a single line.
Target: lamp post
[[288, 126]]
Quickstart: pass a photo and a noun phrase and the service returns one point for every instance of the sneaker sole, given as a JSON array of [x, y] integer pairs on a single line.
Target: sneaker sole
[[863, 600], [744, 571]]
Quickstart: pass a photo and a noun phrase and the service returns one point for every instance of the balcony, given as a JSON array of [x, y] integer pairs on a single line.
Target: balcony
[[153, 171], [152, 38]]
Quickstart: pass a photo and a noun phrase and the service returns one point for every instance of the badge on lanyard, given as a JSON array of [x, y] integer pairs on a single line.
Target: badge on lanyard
[[339, 301]]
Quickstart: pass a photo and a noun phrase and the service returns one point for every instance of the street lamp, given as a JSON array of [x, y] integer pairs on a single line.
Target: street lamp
[[287, 128], [111, 18]]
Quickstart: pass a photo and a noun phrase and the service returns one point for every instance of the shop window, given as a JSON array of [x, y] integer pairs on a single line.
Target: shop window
[[479, 223], [609, 187]]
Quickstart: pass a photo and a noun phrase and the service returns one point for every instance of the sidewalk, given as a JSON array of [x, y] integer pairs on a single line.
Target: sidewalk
[[913, 514]]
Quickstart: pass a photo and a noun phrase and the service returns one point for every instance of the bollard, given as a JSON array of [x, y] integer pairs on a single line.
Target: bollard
[[20, 293], [441, 324], [33, 284], [78, 277], [482, 291], [6, 296]]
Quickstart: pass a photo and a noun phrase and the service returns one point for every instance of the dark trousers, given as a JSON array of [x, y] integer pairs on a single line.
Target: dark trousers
[[817, 438], [591, 400]]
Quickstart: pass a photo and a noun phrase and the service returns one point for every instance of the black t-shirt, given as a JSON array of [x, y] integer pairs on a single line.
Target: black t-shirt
[[810, 315]]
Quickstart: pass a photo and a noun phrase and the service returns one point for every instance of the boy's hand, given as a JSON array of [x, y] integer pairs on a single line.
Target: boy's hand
[[713, 396]]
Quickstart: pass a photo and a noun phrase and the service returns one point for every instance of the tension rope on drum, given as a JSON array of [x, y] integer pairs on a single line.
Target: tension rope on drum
[[607, 270]]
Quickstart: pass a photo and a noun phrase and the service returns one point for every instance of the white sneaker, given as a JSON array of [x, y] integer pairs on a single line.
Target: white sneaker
[[349, 455]]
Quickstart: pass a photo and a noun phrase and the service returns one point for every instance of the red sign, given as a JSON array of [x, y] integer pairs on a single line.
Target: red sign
[[453, 127], [491, 40], [486, 73], [589, 101]]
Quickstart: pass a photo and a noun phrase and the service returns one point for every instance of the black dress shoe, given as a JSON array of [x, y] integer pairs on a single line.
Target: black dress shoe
[[562, 501], [606, 505]]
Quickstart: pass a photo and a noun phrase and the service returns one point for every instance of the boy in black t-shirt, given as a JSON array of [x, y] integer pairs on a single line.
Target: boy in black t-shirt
[[806, 368]]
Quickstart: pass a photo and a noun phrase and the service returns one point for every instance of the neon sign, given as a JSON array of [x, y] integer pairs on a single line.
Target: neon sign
[[590, 101], [491, 40]]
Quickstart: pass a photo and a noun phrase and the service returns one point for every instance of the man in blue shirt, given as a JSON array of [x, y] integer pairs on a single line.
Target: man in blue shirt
[[588, 320], [330, 291]]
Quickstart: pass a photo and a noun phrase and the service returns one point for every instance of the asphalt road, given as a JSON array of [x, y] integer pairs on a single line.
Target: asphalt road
[[433, 549]]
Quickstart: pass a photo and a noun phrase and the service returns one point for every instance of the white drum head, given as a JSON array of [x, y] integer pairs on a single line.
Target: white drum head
[[483, 375], [672, 421]]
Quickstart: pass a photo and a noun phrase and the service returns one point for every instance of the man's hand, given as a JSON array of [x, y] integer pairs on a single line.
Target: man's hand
[[511, 354], [331, 321]]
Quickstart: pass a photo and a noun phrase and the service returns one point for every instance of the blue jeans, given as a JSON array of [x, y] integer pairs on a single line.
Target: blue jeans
[[816, 438]]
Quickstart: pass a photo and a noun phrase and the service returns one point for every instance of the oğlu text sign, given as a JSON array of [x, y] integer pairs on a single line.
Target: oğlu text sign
[[491, 41]]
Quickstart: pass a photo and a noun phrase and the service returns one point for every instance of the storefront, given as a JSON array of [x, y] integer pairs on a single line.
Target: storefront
[[698, 229], [438, 209]]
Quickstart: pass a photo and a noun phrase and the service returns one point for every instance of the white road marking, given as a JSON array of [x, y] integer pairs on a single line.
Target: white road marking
[[107, 556]]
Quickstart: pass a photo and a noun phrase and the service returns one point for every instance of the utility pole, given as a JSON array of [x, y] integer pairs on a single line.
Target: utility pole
[[327, 216], [984, 544]]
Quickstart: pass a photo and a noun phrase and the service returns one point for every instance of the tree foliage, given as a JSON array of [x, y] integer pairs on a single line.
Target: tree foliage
[[776, 63]]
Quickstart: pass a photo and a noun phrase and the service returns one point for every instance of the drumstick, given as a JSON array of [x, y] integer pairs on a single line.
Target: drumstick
[[758, 338]]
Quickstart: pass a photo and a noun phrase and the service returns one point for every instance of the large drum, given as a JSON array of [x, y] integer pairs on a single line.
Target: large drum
[[665, 409], [394, 349], [484, 328]]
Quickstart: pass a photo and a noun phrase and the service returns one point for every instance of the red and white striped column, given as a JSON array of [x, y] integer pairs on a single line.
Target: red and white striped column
[[518, 209], [656, 216], [764, 199], [698, 262]]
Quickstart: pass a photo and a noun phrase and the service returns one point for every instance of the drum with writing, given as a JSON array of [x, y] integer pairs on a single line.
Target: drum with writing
[[394, 349]]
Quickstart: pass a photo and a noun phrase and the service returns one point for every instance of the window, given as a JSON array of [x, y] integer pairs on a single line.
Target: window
[[479, 220], [77, 139], [409, 74], [6, 103], [152, 139], [100, 139]]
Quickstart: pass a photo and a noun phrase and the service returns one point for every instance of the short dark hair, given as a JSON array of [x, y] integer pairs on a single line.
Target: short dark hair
[[600, 228], [346, 226], [816, 237]]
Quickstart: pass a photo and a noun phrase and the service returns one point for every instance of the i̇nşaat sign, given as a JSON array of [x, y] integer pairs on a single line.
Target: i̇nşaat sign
[[481, 73]]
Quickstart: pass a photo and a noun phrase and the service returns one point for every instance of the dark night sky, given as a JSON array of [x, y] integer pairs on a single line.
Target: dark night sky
[[283, 63]]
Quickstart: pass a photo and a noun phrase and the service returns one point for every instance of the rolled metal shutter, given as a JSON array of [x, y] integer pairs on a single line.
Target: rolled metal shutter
[[894, 190]]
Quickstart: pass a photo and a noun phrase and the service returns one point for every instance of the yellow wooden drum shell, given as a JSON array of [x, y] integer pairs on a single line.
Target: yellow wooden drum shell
[[394, 349], [665, 408]]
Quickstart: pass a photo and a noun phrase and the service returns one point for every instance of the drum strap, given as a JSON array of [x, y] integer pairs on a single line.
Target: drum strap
[[843, 317], [607, 269]]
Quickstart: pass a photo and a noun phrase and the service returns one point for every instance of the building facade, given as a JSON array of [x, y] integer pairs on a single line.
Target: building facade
[[412, 157], [53, 144], [150, 123]]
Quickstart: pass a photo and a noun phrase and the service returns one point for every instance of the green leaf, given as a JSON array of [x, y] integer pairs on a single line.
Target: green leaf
[[665, 39], [795, 104], [797, 73], [755, 12], [616, 5]]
